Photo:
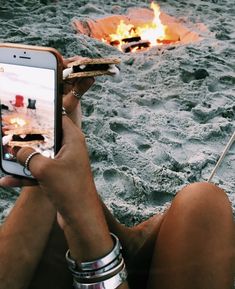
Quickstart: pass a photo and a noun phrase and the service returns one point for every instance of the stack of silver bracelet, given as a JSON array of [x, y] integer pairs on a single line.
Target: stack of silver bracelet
[[105, 273]]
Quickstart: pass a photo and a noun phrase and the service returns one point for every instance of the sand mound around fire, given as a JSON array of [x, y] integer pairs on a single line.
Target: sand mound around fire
[[101, 28]]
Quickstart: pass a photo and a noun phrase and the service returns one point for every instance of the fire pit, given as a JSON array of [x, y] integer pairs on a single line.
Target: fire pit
[[140, 29]]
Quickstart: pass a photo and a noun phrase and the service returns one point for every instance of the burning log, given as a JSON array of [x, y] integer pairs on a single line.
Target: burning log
[[131, 39], [131, 44], [134, 46], [125, 40]]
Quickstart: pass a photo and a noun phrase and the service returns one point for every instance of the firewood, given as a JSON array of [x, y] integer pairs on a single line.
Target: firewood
[[137, 44]]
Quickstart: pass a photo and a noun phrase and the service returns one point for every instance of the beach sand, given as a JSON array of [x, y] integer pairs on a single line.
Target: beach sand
[[164, 121]]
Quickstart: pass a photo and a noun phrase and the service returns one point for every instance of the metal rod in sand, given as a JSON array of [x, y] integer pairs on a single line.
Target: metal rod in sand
[[226, 149]]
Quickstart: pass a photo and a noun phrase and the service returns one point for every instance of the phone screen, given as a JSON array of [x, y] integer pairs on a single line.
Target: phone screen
[[27, 97]]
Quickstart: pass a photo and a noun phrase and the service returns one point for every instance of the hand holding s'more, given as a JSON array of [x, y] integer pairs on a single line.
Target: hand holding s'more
[[91, 67]]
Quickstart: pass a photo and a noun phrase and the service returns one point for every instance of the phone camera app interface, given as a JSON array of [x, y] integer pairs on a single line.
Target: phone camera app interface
[[27, 109]]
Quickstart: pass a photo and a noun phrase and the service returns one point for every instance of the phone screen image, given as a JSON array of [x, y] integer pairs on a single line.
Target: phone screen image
[[27, 96]]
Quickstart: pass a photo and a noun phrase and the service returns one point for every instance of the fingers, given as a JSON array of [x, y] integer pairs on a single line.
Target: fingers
[[79, 85], [23, 154], [70, 102], [33, 161], [10, 181], [37, 163], [70, 130], [83, 84]]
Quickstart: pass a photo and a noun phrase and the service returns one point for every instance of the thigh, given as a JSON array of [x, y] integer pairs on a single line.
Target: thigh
[[52, 270], [196, 242]]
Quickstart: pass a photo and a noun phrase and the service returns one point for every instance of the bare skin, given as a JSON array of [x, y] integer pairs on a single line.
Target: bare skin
[[190, 246]]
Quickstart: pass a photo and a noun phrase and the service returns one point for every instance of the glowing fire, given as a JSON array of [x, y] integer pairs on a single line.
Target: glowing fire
[[18, 121], [156, 30], [155, 33]]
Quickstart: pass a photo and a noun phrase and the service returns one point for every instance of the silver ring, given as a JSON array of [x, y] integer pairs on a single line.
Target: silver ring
[[64, 111], [29, 157], [76, 94]]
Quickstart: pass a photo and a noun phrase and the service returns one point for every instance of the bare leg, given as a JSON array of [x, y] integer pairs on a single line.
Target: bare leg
[[195, 247], [199, 220], [23, 237], [52, 271], [138, 245]]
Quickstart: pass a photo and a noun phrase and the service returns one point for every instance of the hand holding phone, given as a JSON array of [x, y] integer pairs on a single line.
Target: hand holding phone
[[30, 81]]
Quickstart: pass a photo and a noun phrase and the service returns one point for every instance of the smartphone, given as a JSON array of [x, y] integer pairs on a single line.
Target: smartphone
[[30, 100]]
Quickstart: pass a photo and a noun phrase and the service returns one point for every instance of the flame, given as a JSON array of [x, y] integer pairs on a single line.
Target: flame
[[18, 121], [124, 31], [154, 32]]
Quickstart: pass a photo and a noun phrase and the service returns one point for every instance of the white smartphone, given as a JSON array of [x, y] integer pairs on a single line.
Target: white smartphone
[[30, 99]]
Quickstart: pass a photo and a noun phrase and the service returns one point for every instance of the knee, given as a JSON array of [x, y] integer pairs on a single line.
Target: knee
[[203, 199], [204, 193]]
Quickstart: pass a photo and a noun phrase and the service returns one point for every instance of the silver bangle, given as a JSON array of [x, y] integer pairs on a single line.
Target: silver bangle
[[111, 283], [101, 275], [112, 267], [96, 264]]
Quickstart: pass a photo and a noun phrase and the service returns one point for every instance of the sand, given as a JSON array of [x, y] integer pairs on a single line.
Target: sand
[[164, 121]]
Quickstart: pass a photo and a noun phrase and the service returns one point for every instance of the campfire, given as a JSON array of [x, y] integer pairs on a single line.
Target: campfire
[[18, 121], [20, 130], [139, 30], [14, 121], [130, 38]]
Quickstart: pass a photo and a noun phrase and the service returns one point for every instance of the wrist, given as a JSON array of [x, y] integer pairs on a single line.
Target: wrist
[[107, 271], [87, 232]]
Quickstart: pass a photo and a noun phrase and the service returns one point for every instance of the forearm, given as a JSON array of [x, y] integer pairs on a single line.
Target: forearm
[[84, 224], [23, 237], [86, 229]]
